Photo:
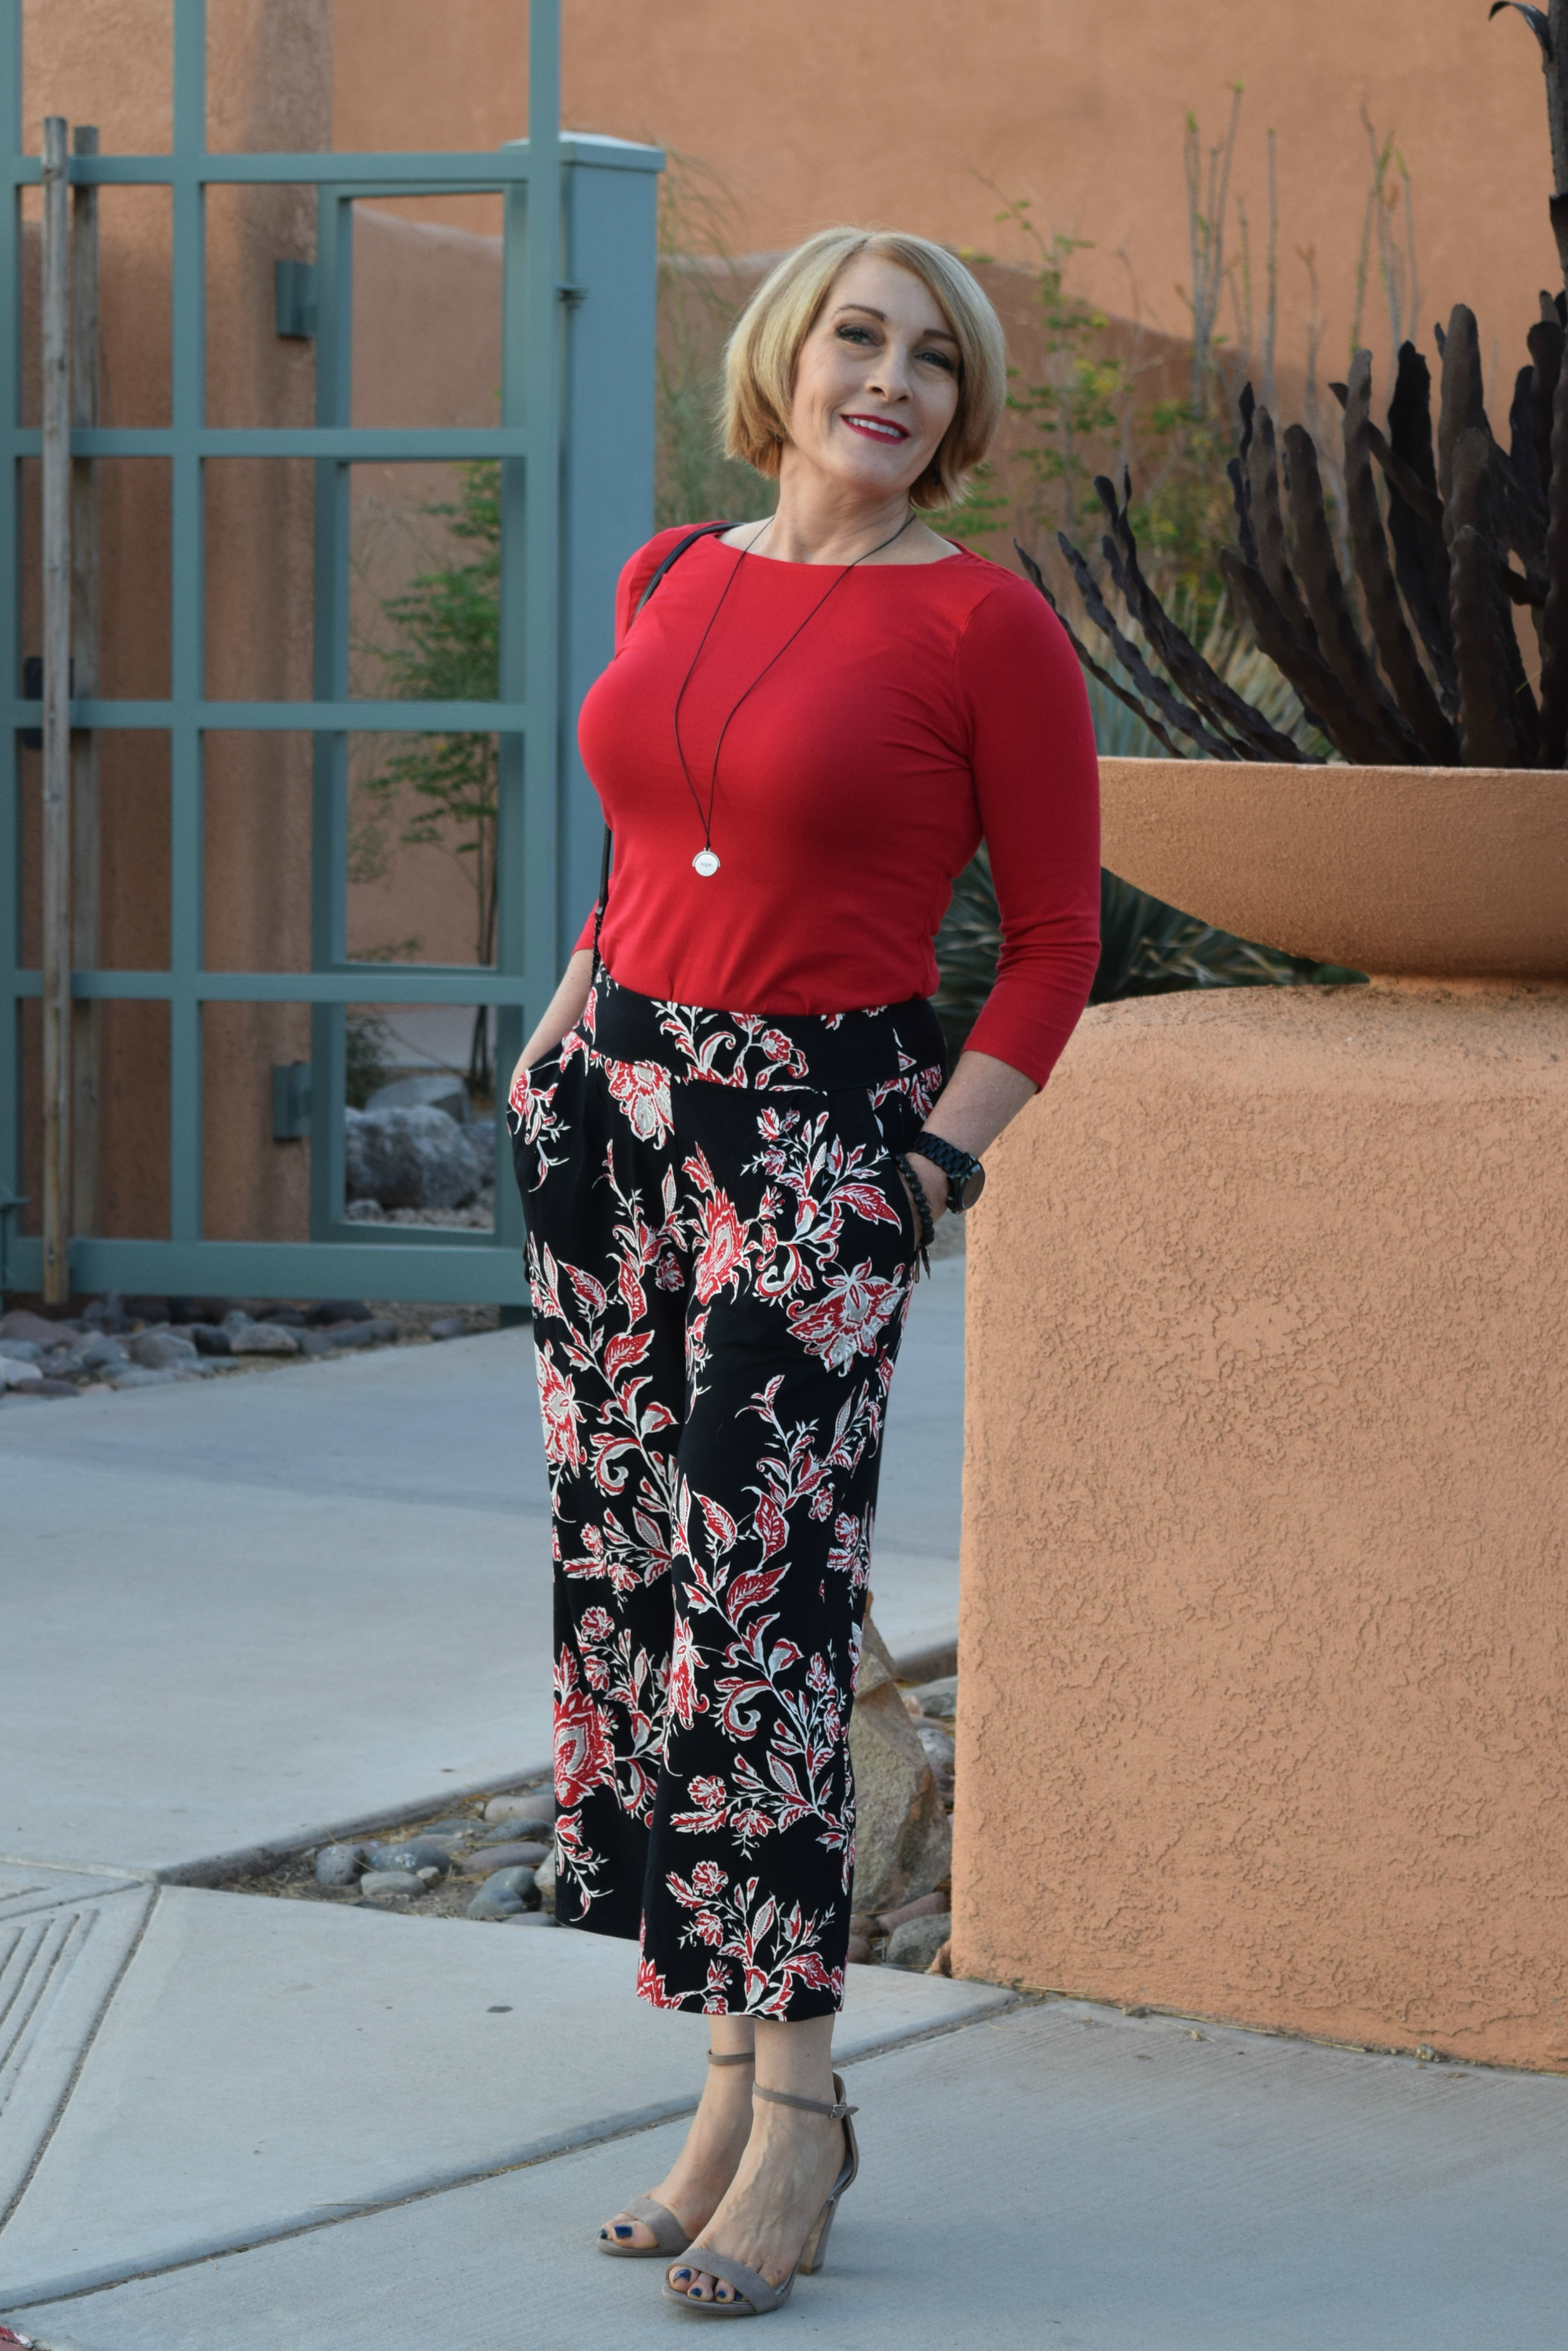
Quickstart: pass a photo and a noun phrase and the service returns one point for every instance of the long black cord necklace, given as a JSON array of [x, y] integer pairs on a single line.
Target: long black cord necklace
[[706, 861]]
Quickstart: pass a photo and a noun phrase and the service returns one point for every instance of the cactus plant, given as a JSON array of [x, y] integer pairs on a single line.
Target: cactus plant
[[1416, 660]]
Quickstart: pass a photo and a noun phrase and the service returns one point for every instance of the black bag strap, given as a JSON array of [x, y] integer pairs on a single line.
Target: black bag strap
[[704, 530]]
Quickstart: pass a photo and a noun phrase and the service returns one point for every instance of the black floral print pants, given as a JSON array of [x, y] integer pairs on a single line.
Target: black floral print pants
[[720, 1253]]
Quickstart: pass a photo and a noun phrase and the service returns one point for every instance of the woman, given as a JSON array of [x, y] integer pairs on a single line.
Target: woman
[[734, 1132]]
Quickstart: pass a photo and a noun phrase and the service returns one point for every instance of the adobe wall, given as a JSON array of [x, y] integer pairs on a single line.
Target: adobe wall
[[819, 113], [1262, 1649]]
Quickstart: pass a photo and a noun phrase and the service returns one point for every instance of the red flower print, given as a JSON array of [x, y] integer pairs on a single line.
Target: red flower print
[[651, 1987], [845, 1323], [597, 1624], [581, 1748], [709, 1879], [681, 1689], [724, 1247], [563, 1446], [641, 1089]]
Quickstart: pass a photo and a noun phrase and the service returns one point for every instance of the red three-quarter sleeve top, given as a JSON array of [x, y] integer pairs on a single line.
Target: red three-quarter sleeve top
[[925, 707]]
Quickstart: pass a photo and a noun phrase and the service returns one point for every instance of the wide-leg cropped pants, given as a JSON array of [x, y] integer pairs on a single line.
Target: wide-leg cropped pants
[[721, 1257]]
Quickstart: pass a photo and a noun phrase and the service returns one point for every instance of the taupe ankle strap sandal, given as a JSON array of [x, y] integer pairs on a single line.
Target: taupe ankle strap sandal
[[670, 2236], [755, 2298]]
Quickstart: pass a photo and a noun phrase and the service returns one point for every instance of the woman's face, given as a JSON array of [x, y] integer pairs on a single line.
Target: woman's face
[[876, 383]]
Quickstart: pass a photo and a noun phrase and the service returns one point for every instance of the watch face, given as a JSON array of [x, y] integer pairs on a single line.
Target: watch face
[[965, 1194]]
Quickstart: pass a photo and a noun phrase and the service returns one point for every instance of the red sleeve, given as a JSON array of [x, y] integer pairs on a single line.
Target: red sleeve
[[1037, 779]]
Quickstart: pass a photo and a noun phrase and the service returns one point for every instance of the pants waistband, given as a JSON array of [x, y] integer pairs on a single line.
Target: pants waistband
[[885, 1045]]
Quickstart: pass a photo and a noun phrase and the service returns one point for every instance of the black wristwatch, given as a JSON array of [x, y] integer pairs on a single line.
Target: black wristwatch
[[966, 1176]]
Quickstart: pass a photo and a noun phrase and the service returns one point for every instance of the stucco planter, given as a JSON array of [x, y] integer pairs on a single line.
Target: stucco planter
[[1264, 1651], [1457, 872]]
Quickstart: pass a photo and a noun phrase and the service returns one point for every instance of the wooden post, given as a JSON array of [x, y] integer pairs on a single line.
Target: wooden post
[[85, 942], [57, 808]]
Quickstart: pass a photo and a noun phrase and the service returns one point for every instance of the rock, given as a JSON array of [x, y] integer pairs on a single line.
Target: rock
[[859, 1952], [363, 1334], [236, 1319], [340, 1864], [107, 1312], [56, 1388], [16, 1373], [336, 1310], [929, 1905], [479, 1142], [407, 1159], [263, 1339], [503, 1895], [863, 1925], [430, 1090], [134, 1376], [364, 1212], [211, 1338], [411, 1853], [158, 1350], [147, 1310], [101, 1353], [533, 1804], [34, 1330], [532, 1823], [194, 1368], [391, 1886], [544, 1880], [942, 1964], [937, 1743], [916, 1943], [526, 1850], [21, 1351], [314, 1343], [450, 1326], [938, 1697], [904, 1839], [264, 1309], [449, 1829]]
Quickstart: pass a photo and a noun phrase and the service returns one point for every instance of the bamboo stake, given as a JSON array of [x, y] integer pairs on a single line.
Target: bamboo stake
[[57, 808], [85, 944]]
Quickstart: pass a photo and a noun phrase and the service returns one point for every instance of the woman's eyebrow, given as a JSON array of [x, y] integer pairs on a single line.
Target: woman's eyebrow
[[927, 334]]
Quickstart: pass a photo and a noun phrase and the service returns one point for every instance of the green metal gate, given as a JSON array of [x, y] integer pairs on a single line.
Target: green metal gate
[[575, 444]]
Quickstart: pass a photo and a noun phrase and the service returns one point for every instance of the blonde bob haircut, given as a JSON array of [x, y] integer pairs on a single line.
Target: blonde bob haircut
[[760, 359]]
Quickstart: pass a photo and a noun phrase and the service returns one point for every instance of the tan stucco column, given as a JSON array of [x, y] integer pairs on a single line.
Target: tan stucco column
[[1264, 1648]]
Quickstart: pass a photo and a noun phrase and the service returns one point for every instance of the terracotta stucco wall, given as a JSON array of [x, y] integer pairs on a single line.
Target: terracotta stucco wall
[[932, 121], [1263, 1650]]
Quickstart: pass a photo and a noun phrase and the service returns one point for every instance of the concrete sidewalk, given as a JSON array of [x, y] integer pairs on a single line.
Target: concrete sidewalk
[[337, 2129], [236, 1615]]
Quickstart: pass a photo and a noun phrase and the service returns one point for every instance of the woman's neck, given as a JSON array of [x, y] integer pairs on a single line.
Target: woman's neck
[[820, 522]]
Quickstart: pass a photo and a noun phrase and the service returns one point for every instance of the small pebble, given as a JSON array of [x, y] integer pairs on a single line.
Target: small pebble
[[534, 1803], [409, 1854], [538, 1826], [503, 1894], [390, 1885], [527, 1851], [263, 1339], [338, 1865]]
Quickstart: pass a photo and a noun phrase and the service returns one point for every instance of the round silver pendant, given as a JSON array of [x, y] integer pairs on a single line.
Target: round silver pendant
[[705, 863]]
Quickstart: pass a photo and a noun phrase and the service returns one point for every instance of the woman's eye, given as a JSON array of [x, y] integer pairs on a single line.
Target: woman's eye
[[853, 335], [942, 359]]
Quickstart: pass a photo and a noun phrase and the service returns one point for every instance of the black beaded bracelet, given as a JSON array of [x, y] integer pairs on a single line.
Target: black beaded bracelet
[[922, 1207]]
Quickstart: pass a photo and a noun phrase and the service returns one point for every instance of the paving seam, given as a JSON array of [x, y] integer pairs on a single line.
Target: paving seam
[[85, 2284], [213, 1868], [83, 2053]]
